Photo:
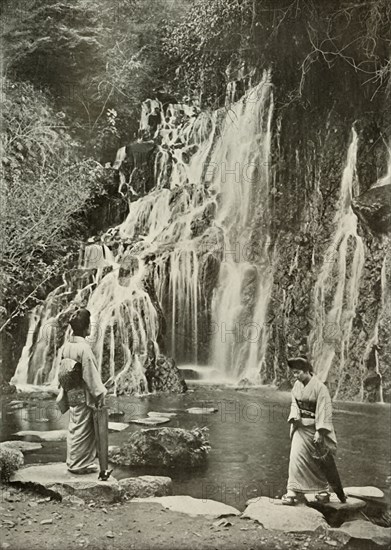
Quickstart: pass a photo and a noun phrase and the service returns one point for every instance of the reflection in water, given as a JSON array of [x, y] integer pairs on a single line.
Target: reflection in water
[[249, 438]]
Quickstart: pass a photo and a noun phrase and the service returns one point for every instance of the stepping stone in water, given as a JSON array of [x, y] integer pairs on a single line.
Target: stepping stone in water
[[56, 480], [202, 410], [335, 511], [155, 421], [193, 506], [117, 426], [50, 435], [271, 514], [364, 492], [335, 504], [24, 446], [153, 414]]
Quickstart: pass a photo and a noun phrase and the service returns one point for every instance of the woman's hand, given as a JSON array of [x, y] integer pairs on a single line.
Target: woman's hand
[[318, 438], [100, 402]]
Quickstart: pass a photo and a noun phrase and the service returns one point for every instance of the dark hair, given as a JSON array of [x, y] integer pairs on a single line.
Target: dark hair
[[80, 321], [300, 363]]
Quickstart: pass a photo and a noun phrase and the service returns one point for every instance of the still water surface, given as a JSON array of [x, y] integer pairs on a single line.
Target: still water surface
[[249, 437]]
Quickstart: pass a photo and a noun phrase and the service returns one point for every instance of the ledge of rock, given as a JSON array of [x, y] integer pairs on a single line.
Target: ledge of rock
[[272, 514], [169, 447], [24, 446], [54, 479], [194, 506], [146, 486], [364, 531], [49, 435]]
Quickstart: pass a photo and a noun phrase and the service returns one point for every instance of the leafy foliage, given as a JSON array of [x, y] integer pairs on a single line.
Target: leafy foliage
[[45, 185]]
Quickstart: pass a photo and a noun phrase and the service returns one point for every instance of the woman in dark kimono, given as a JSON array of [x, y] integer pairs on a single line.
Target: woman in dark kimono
[[311, 427], [82, 399]]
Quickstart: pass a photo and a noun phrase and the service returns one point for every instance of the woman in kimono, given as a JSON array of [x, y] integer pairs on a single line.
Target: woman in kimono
[[311, 428], [82, 399]]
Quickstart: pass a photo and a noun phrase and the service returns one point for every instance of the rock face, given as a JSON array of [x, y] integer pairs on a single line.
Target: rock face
[[146, 486], [363, 531], [10, 460], [374, 208], [271, 514], [55, 480], [164, 447], [194, 506]]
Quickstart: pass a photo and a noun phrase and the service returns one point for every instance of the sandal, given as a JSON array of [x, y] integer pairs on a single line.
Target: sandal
[[288, 500], [323, 496]]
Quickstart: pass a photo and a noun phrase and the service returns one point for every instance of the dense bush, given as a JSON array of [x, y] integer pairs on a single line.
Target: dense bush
[[10, 461]]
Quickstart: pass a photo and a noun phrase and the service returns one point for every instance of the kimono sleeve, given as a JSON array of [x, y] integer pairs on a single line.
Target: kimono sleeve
[[294, 413], [323, 413], [91, 375]]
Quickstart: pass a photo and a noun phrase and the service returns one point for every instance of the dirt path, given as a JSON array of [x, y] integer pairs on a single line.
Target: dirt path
[[131, 525]]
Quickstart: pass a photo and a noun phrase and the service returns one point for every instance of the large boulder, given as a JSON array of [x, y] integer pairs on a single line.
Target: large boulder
[[55, 480], [164, 447], [146, 486], [374, 208], [10, 461]]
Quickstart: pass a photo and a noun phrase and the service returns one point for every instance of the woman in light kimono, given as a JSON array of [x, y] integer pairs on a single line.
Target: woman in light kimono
[[81, 443], [311, 427]]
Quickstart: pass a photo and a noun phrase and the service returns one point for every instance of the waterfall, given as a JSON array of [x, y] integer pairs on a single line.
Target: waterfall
[[337, 287], [241, 175]]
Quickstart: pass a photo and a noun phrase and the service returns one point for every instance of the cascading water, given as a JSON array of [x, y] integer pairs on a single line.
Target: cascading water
[[337, 287], [179, 228], [243, 292]]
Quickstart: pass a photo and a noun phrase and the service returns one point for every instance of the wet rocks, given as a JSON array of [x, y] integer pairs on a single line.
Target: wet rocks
[[163, 375], [373, 208], [271, 514], [58, 482], [146, 486], [164, 447], [10, 461], [6, 388]]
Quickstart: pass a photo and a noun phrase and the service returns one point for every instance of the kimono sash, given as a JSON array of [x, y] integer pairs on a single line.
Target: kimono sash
[[307, 408]]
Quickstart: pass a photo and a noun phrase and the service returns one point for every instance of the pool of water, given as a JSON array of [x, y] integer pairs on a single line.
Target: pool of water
[[249, 437]]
